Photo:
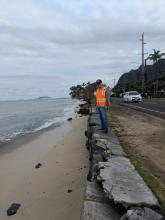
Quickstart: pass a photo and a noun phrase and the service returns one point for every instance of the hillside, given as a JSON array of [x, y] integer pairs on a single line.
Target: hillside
[[152, 72]]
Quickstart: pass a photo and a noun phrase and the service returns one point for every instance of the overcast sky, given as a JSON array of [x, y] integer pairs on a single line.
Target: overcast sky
[[46, 46]]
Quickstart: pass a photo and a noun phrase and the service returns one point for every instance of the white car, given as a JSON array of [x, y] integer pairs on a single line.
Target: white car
[[132, 96]]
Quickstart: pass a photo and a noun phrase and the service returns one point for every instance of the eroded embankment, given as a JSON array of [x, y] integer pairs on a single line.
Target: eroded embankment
[[114, 189]]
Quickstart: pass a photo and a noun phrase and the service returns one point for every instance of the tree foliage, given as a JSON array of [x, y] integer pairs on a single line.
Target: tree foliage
[[78, 90], [156, 55]]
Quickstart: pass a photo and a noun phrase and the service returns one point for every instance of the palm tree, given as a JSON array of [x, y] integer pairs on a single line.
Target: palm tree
[[156, 55]]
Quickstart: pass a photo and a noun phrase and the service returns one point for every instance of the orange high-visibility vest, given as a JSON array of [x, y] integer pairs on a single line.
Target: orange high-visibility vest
[[100, 97]]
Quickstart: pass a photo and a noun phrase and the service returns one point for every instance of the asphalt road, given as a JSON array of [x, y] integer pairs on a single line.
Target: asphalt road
[[155, 106]]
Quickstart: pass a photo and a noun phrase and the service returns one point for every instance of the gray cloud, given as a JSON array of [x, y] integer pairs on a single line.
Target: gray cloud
[[76, 41]]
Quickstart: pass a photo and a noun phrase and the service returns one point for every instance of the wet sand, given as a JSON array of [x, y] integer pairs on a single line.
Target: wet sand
[[43, 193]]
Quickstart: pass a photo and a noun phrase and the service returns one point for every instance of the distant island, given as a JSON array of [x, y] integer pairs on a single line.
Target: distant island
[[44, 97], [47, 97]]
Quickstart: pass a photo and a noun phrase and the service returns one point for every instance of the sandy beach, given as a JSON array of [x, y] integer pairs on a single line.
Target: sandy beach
[[43, 193]]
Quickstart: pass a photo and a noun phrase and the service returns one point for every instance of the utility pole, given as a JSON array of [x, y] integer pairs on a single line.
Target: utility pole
[[142, 70], [114, 82], [157, 86]]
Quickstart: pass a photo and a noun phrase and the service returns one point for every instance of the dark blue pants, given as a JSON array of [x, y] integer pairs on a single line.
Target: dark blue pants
[[103, 117]]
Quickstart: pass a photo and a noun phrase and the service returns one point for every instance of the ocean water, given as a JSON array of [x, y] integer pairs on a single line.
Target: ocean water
[[27, 116]]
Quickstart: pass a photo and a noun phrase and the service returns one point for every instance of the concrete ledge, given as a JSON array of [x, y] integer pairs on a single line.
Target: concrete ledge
[[98, 211], [116, 149], [114, 185], [142, 214], [124, 185], [94, 192]]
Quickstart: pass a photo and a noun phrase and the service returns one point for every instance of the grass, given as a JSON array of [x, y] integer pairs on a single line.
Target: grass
[[153, 182]]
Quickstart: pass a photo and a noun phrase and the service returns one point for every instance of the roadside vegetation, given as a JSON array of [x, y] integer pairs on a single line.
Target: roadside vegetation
[[84, 91], [78, 91]]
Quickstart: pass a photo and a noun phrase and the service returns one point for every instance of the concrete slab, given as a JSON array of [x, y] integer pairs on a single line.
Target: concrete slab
[[124, 185], [116, 148], [94, 192], [111, 133], [98, 211], [142, 214], [101, 143], [100, 135], [114, 140], [94, 118], [93, 109], [108, 143]]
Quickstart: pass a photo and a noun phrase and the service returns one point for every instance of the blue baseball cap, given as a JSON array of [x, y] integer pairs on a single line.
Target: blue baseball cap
[[99, 81]]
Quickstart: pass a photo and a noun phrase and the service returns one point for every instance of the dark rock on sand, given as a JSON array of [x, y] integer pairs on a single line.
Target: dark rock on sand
[[38, 165], [12, 210]]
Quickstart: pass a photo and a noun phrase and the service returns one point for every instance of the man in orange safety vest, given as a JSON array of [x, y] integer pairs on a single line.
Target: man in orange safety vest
[[102, 104]]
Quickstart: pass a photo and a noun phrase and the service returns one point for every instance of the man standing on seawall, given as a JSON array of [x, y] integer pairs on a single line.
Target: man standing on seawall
[[102, 104]]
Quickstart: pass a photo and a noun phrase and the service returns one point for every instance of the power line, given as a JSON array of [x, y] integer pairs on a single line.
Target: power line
[[114, 82]]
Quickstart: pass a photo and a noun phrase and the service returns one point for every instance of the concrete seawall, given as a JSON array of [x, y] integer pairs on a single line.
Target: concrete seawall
[[114, 189]]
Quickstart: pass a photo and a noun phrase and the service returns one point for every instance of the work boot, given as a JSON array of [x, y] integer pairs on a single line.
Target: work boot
[[106, 131]]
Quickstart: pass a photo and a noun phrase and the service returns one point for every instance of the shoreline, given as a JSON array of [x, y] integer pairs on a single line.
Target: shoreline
[[17, 168], [17, 125], [21, 139]]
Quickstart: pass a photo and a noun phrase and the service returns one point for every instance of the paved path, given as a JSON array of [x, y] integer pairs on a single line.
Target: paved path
[[155, 106]]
